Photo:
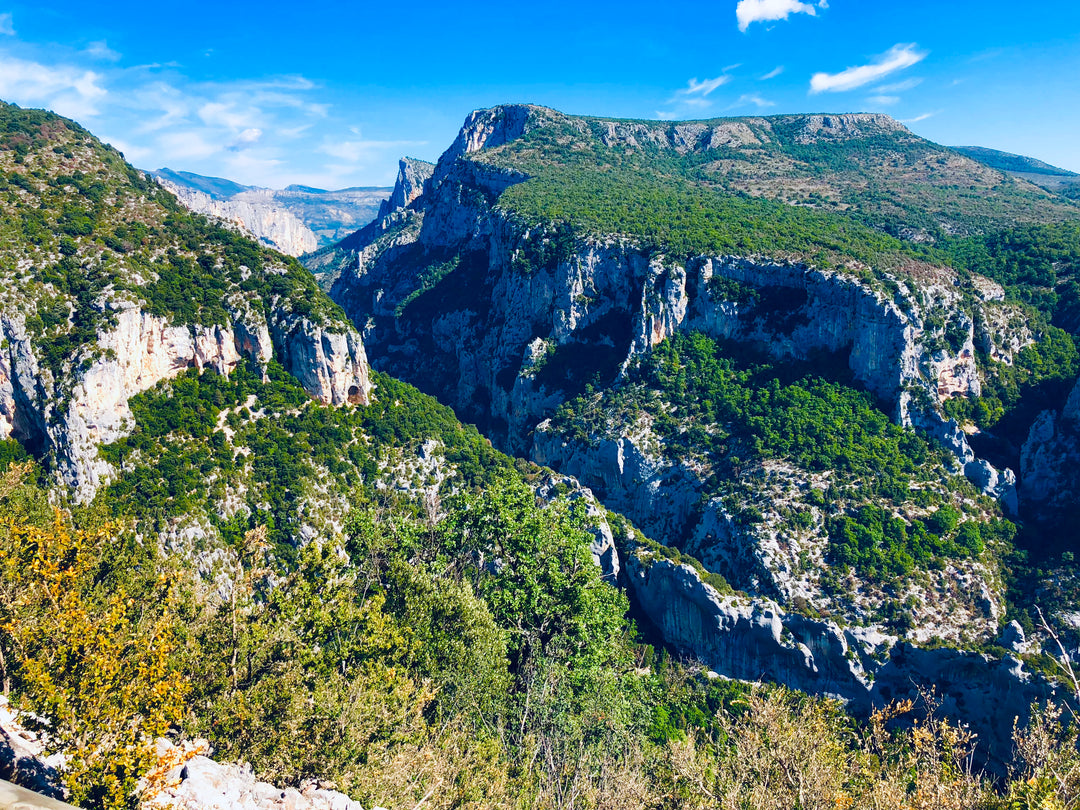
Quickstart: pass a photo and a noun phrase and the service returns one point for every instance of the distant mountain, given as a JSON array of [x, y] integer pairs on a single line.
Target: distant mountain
[[1008, 162], [1052, 178], [295, 220], [217, 187]]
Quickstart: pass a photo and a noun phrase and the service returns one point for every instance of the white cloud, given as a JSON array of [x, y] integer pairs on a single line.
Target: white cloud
[[896, 58], [772, 74], [248, 137], [884, 101], [752, 11], [265, 131], [66, 89], [702, 88], [101, 50], [752, 98], [665, 115], [6, 24], [919, 118], [226, 114]]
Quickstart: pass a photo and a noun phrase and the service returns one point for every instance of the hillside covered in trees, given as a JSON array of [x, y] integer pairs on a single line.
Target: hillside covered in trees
[[217, 523]]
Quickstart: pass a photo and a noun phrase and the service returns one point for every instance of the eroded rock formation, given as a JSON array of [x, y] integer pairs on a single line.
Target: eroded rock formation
[[72, 417]]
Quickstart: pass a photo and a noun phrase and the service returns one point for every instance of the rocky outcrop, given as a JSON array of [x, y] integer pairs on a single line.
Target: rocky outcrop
[[411, 177], [768, 556], [755, 639], [23, 760], [73, 417], [330, 365], [845, 127], [1050, 461], [602, 547], [253, 212], [187, 779]]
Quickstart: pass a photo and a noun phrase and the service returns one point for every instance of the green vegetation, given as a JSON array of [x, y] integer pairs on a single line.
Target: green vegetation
[[402, 665], [660, 201], [85, 226], [198, 436], [711, 402], [1008, 162], [825, 200], [1038, 265]]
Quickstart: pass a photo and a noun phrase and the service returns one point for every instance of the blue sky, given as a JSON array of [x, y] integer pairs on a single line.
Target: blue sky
[[331, 94]]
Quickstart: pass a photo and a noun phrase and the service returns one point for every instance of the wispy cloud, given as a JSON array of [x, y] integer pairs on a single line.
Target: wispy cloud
[[746, 99], [899, 87], [896, 58], [919, 118], [752, 11], [66, 89], [702, 88], [360, 150], [694, 98], [772, 74], [266, 131], [101, 50], [884, 101], [7, 26]]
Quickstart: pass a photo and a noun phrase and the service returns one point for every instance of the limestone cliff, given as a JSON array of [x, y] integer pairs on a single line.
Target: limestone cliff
[[73, 417], [255, 213], [755, 639], [506, 315], [295, 220], [412, 174], [614, 291], [109, 287]]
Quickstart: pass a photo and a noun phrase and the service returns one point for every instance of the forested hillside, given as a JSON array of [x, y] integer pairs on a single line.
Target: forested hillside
[[219, 529], [825, 360]]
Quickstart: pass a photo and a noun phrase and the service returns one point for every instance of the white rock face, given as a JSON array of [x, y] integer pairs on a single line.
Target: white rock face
[[254, 212], [332, 366], [140, 351], [412, 174], [755, 639], [197, 782]]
